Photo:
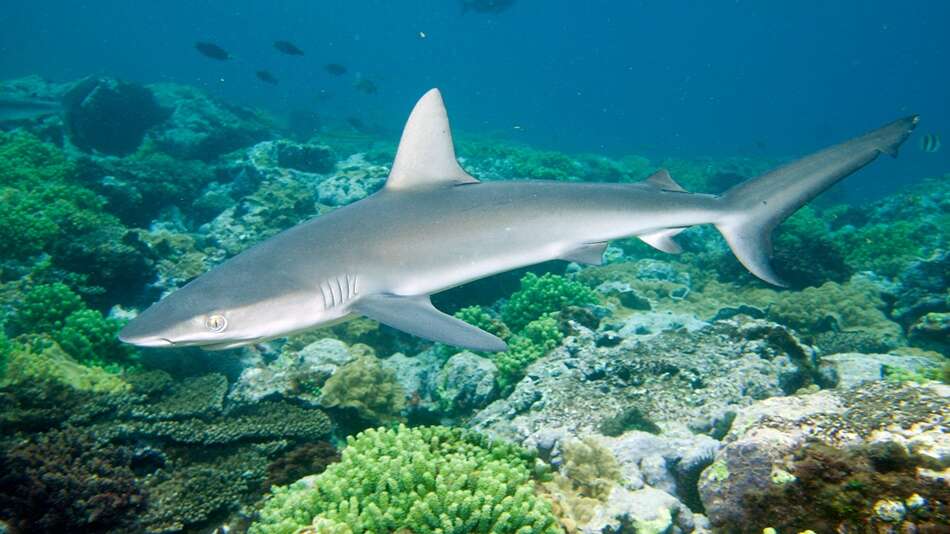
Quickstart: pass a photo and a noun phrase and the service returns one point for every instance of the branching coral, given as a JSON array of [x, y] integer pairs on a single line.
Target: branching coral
[[87, 336], [538, 337], [425, 479], [544, 294]]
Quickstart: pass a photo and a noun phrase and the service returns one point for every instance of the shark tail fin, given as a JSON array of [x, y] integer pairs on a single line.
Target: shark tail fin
[[752, 209]]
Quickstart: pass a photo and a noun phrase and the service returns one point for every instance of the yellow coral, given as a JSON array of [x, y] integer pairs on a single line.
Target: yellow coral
[[45, 361]]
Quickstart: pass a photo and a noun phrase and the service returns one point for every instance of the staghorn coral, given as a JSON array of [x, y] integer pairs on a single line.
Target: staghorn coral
[[367, 387], [68, 482], [425, 480], [536, 339], [56, 311], [544, 294]]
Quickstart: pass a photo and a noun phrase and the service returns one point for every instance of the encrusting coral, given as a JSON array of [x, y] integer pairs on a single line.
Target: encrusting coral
[[366, 386], [424, 479]]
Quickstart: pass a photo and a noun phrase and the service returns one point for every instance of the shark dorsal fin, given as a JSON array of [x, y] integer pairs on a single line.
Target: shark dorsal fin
[[426, 156], [661, 179]]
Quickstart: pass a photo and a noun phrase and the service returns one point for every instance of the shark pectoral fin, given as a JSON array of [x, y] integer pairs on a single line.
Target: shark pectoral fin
[[426, 155], [417, 316], [588, 253], [663, 240]]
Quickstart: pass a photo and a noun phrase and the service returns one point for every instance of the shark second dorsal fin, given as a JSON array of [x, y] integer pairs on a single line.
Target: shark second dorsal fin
[[426, 155], [661, 179]]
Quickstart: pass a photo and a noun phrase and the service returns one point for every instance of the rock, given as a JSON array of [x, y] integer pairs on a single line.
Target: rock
[[295, 376], [109, 115], [644, 511], [922, 289], [675, 377], [355, 179], [467, 382], [203, 127], [305, 157], [671, 462], [417, 376], [627, 296], [850, 369], [646, 325], [932, 331], [877, 429]]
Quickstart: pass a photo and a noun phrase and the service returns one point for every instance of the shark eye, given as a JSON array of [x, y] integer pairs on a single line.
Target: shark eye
[[216, 323]]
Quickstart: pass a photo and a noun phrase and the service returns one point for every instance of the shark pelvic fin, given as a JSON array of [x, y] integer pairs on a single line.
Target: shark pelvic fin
[[588, 253], [426, 155], [417, 316], [663, 240], [661, 179]]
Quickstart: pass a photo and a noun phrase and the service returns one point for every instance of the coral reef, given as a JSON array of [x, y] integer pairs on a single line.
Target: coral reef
[[425, 479], [202, 127], [543, 294], [68, 482], [367, 387], [822, 461]]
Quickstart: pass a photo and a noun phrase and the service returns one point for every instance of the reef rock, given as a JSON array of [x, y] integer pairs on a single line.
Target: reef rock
[[467, 382], [681, 376], [109, 115], [850, 369], [202, 127], [355, 179], [816, 461], [293, 375]]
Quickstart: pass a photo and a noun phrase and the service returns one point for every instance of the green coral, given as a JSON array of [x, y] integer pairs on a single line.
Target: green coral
[[366, 386], [25, 160], [885, 249], [543, 294], [478, 317], [46, 213], [88, 336], [41, 361], [805, 255], [425, 480], [856, 305], [536, 339]]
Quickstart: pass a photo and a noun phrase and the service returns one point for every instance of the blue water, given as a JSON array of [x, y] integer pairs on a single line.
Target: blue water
[[650, 77]]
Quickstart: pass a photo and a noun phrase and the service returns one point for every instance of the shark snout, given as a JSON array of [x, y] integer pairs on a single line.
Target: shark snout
[[133, 334]]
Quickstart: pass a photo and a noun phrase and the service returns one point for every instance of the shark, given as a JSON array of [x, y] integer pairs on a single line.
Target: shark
[[433, 226]]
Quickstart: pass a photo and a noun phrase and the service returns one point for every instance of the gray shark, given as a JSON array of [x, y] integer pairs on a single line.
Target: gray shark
[[433, 226], [19, 108]]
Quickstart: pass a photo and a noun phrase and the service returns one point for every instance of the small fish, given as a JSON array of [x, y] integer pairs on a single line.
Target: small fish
[[366, 86], [486, 6], [212, 50], [266, 77], [930, 143], [286, 47], [335, 69]]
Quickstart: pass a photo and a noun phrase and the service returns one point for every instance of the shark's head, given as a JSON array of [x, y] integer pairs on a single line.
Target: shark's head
[[217, 312]]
